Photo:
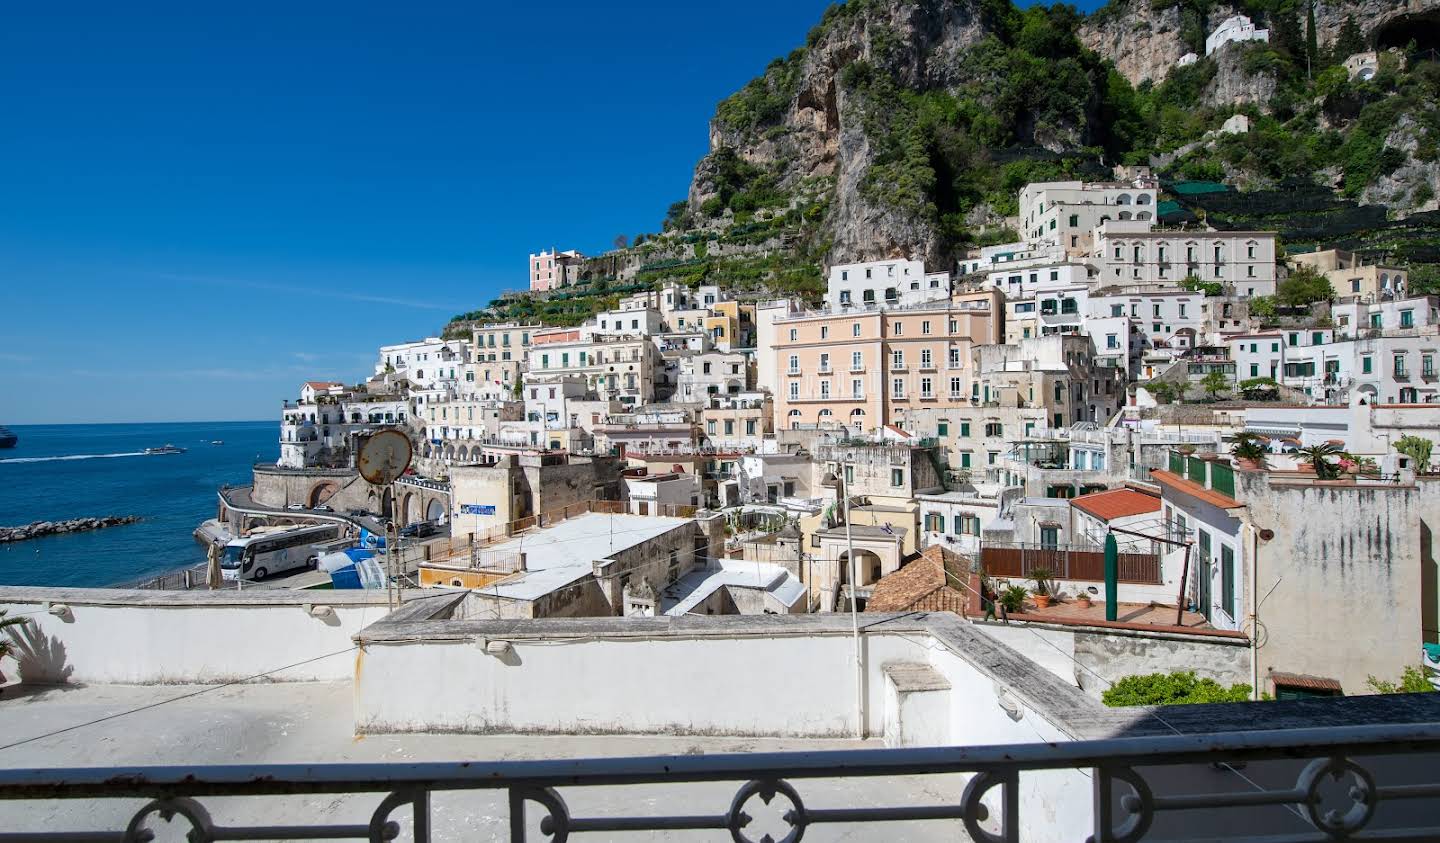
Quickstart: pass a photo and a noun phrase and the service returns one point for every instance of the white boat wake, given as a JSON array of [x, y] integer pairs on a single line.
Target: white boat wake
[[75, 457]]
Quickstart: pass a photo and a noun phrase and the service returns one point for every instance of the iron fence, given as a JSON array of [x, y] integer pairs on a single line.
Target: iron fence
[[1332, 780], [1067, 563]]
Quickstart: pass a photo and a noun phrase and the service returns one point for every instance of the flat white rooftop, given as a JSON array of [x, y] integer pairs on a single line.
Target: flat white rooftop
[[692, 589], [559, 555], [312, 723]]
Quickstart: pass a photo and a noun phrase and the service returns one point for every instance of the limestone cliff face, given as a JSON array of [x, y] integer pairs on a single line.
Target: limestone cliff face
[[1145, 42], [818, 140]]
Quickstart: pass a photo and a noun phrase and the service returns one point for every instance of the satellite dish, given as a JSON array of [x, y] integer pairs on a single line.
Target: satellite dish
[[383, 456]]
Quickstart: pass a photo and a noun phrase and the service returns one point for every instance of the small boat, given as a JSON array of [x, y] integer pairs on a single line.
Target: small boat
[[167, 448], [217, 441], [8, 439]]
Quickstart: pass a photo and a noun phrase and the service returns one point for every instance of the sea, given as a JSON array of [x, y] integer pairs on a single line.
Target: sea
[[80, 470]]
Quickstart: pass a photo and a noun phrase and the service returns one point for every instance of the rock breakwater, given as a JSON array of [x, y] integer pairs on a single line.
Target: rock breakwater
[[39, 529]]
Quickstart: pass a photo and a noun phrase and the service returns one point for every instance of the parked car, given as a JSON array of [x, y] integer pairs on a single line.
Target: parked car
[[296, 506], [324, 508], [356, 513], [418, 530]]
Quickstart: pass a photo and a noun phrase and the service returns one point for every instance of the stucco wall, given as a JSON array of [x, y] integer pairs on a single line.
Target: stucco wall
[[145, 637], [282, 488], [1094, 660], [1341, 579]]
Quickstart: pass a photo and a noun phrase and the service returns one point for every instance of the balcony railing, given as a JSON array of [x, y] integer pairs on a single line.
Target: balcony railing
[[1325, 777], [1067, 563]]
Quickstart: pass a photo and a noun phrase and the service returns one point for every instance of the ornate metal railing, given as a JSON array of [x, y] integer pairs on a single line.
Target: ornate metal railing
[[1335, 795]]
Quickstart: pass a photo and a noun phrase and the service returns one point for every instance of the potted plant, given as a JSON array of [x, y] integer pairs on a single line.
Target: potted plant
[[1248, 452], [1043, 578], [1318, 457], [1083, 598], [1013, 599], [6, 644]]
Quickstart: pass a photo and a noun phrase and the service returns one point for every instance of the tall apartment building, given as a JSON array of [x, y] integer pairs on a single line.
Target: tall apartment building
[[1066, 213], [553, 269], [616, 368], [1131, 253], [859, 367]]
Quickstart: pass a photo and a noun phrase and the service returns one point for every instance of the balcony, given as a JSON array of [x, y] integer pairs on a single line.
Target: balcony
[[1025, 756]]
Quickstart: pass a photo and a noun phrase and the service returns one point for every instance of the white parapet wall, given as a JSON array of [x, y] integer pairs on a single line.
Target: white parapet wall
[[103, 635]]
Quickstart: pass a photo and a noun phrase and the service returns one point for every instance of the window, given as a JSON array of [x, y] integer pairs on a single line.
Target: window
[[1227, 580], [855, 330], [1294, 339], [955, 390], [897, 477], [964, 459], [749, 427], [1074, 220], [794, 390], [954, 326], [1427, 365], [1274, 348], [824, 364], [857, 388], [942, 428], [868, 297], [1112, 340], [844, 296], [824, 332], [856, 361], [794, 364], [954, 358], [1400, 366], [897, 359], [849, 474], [897, 388], [925, 357], [1050, 536], [994, 429], [710, 427], [1407, 318], [925, 326], [1117, 310], [794, 335], [824, 389], [925, 391], [1316, 338], [965, 429], [897, 328]]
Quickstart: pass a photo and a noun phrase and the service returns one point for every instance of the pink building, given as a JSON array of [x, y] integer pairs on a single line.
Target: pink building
[[553, 269]]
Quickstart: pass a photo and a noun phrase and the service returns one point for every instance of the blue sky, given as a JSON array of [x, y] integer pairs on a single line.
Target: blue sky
[[202, 205]]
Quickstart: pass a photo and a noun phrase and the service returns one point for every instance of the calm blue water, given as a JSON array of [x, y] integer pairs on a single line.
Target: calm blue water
[[173, 494]]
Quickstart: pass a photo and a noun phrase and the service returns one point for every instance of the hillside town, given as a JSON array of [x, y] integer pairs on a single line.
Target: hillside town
[[961, 438], [1023, 429]]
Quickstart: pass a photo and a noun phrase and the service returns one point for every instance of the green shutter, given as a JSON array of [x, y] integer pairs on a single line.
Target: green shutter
[[1222, 479], [1196, 470], [1177, 463], [1227, 580]]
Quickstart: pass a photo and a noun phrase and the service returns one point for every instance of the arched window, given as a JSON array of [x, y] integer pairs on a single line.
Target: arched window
[[1142, 199], [1122, 199], [857, 412], [1124, 215]]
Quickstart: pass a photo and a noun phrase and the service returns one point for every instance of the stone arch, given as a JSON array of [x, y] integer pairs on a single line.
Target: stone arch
[[1124, 215], [463, 455], [410, 507], [1142, 215], [387, 504], [1142, 199], [435, 511], [322, 492]]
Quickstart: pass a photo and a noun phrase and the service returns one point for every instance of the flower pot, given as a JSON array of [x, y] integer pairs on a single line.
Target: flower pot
[[1084, 601], [1042, 601], [1305, 468], [1248, 465]]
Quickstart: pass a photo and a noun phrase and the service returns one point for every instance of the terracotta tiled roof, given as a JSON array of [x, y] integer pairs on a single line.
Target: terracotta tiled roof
[[322, 384], [1194, 490], [1117, 503], [920, 585], [1297, 680]]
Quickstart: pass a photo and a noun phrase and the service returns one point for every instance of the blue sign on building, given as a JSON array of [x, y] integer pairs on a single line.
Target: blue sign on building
[[477, 509]]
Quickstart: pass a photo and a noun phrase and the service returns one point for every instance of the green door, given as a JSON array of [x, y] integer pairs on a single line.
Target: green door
[[1202, 570]]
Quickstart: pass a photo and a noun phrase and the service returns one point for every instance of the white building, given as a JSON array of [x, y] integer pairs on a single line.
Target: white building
[[1166, 319], [1066, 214], [887, 283], [958, 518], [629, 322], [712, 373], [1237, 28], [426, 364], [1027, 279], [1132, 253]]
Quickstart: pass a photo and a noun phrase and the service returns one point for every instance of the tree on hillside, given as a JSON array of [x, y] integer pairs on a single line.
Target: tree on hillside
[[1259, 389], [621, 241], [1214, 384], [1349, 42], [1304, 286]]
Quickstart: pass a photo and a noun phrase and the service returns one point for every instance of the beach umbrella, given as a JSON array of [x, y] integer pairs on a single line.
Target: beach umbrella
[[213, 579]]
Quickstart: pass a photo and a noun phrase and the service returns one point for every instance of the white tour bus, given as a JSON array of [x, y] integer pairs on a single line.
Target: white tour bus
[[273, 550]]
